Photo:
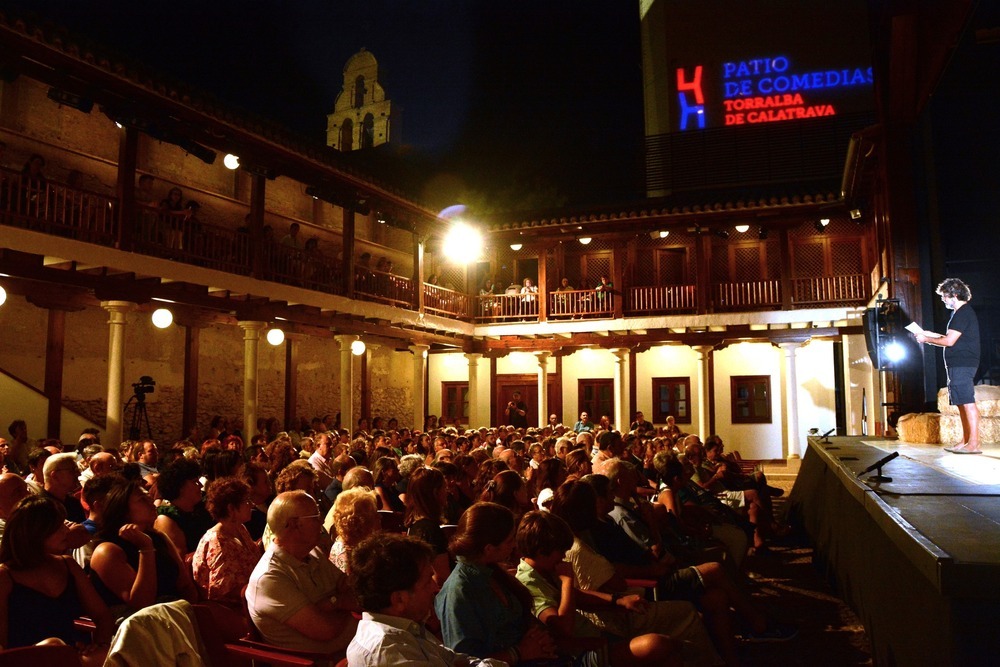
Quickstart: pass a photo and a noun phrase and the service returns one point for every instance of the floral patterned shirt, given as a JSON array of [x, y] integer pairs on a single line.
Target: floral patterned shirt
[[222, 564]]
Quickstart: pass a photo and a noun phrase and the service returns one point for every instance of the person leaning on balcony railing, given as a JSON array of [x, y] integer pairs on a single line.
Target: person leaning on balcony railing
[[33, 183], [605, 289], [528, 297], [171, 209], [487, 304], [562, 302]]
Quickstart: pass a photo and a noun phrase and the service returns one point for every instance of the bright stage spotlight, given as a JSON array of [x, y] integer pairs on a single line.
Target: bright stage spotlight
[[894, 351]]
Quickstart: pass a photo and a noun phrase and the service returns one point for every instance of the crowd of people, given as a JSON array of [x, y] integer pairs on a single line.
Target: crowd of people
[[551, 545]]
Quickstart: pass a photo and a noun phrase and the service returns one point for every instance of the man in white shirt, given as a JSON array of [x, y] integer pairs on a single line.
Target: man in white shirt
[[320, 460], [296, 597], [393, 579]]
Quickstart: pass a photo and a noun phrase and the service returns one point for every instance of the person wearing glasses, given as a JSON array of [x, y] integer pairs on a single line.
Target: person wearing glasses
[[296, 597], [226, 554]]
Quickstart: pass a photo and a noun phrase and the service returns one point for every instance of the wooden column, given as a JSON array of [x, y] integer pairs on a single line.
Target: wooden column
[[366, 381], [618, 271], [543, 288], [192, 346], [786, 269], [291, 382], [348, 264], [256, 229], [703, 285], [54, 354], [128, 149], [418, 277], [622, 420]]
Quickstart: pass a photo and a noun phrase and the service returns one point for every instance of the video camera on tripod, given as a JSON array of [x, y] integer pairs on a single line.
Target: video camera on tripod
[[145, 385]]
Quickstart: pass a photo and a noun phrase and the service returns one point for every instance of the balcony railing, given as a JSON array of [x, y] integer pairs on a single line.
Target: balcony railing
[[387, 288], [580, 304], [56, 209], [829, 289], [507, 307], [447, 302], [755, 295], [661, 300]]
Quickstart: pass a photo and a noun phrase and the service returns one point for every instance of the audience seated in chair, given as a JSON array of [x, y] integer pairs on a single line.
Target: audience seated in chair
[[226, 554], [134, 565], [393, 577], [354, 519], [297, 598], [42, 591]]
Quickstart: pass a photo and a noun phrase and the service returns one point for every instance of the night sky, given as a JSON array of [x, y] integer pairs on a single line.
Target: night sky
[[519, 102]]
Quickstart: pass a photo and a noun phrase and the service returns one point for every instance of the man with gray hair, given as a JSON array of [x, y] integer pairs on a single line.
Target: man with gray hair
[[297, 597], [61, 483]]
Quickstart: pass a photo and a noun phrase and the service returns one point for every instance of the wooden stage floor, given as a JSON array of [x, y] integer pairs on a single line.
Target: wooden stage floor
[[918, 558]]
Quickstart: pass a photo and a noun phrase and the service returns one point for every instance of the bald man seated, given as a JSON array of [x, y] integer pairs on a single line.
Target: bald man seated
[[297, 597]]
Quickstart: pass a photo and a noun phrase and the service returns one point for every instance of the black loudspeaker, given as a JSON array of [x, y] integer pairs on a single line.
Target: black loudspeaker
[[869, 321]]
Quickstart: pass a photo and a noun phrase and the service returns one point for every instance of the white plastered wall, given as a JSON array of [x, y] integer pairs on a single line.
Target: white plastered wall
[[754, 441], [666, 361]]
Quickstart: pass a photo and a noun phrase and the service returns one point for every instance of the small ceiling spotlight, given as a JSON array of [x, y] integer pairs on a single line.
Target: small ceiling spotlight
[[231, 161], [516, 246], [820, 226], [275, 336], [659, 234], [358, 347], [585, 240], [742, 229], [824, 221], [162, 318], [762, 233], [722, 233]]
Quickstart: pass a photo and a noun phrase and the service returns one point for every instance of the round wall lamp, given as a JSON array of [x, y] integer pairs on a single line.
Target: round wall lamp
[[358, 347], [585, 240], [3, 296], [162, 318], [516, 246], [275, 336], [231, 161], [742, 228]]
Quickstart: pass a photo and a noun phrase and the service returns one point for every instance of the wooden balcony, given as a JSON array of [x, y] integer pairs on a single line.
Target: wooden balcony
[[59, 210]]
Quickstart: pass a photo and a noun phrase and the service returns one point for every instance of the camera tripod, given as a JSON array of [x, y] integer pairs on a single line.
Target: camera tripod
[[139, 417]]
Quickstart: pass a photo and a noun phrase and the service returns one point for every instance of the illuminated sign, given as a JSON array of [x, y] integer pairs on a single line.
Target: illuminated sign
[[767, 89]]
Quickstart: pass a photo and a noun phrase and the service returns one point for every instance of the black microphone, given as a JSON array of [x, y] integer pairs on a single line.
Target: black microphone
[[879, 463], [829, 432]]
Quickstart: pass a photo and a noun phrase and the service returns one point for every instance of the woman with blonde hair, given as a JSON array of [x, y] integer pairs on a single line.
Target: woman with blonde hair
[[355, 517]]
